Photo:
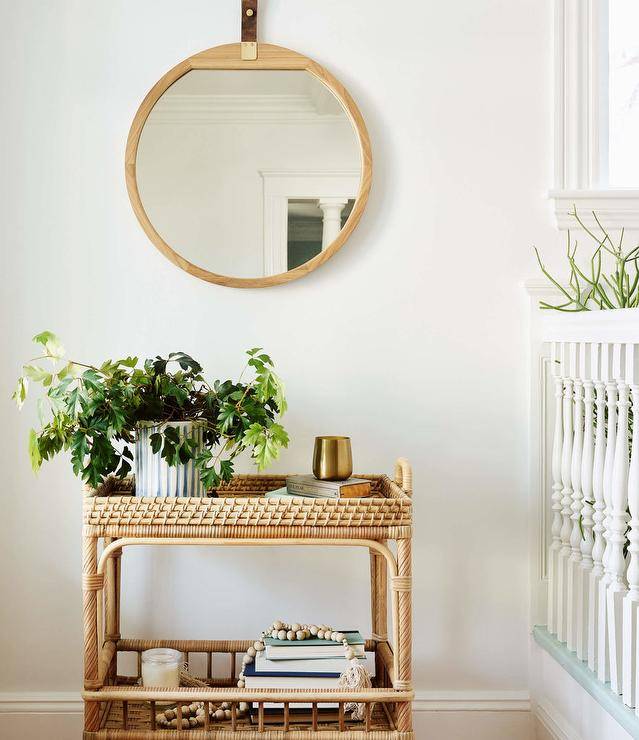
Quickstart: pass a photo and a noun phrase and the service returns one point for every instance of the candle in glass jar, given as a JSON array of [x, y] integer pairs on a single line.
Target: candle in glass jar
[[161, 668]]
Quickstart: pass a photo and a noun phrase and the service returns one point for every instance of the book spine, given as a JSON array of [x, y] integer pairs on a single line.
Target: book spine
[[320, 491]]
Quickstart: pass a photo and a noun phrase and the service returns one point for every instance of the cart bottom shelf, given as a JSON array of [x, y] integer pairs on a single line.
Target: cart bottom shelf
[[139, 726], [121, 712]]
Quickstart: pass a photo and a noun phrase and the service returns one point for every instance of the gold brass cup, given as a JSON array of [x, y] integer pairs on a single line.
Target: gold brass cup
[[332, 458]]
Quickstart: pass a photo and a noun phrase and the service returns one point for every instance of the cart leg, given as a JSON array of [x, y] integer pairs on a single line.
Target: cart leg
[[111, 598], [403, 586], [91, 583], [379, 604], [117, 558], [117, 570]]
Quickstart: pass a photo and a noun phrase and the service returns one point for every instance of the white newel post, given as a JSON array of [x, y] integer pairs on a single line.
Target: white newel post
[[631, 601], [603, 653], [332, 223], [618, 523], [574, 562], [598, 516], [566, 500], [557, 443], [587, 356]]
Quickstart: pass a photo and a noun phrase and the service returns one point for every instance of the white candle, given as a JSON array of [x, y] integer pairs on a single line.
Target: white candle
[[161, 668]]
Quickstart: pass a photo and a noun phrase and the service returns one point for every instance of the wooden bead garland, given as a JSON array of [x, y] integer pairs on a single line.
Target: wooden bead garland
[[193, 715], [355, 677]]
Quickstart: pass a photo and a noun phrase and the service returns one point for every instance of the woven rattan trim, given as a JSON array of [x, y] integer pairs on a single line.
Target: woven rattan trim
[[94, 582], [403, 686], [242, 532], [401, 583], [175, 517]]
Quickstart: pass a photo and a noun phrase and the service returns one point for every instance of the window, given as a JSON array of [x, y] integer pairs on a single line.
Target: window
[[620, 93]]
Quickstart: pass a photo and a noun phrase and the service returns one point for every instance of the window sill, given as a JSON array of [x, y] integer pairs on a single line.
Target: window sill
[[616, 209], [600, 692]]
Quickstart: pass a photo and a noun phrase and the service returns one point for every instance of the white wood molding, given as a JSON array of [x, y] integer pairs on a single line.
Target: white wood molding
[[251, 109], [577, 34], [620, 325], [471, 701], [541, 422], [553, 722], [540, 289], [616, 209], [581, 121], [545, 426], [41, 702]]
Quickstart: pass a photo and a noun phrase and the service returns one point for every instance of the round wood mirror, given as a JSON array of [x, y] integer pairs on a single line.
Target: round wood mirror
[[248, 173]]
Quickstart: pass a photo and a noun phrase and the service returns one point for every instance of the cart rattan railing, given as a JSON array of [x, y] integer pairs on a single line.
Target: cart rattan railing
[[117, 707]]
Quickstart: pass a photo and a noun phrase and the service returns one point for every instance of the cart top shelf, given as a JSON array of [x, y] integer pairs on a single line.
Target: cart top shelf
[[242, 511]]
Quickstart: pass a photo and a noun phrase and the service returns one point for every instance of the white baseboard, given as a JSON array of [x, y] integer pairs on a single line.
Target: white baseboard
[[472, 701], [554, 723], [61, 702], [41, 702]]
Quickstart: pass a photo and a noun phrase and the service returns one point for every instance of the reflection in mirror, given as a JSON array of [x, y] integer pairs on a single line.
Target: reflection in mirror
[[248, 173], [313, 224]]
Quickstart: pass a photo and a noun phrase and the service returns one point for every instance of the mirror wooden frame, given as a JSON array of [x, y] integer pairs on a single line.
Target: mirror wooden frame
[[228, 56]]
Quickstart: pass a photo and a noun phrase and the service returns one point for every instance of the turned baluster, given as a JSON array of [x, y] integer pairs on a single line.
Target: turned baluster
[[617, 588], [574, 562], [631, 600], [603, 646], [598, 517], [566, 493], [587, 510], [557, 443]]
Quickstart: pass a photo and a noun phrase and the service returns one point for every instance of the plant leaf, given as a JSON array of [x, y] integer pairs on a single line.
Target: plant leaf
[[51, 344], [20, 393], [34, 451]]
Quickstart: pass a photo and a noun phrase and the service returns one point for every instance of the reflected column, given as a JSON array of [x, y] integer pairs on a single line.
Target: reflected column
[[332, 221]]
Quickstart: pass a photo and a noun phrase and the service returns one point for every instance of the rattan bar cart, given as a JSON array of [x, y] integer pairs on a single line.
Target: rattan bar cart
[[116, 706]]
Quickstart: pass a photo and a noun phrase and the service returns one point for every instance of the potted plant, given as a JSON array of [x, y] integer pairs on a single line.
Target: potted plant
[[186, 432]]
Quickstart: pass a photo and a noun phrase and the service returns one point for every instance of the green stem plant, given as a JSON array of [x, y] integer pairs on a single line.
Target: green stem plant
[[610, 280]]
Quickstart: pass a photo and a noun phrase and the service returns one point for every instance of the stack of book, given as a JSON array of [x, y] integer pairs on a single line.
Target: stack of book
[[310, 487], [309, 664]]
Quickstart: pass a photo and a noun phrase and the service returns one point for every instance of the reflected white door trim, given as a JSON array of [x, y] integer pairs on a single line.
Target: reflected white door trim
[[279, 186]]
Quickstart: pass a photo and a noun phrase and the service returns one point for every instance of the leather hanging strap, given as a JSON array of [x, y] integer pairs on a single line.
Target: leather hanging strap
[[249, 29]]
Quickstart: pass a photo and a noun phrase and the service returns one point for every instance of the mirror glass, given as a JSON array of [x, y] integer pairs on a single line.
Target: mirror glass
[[248, 173]]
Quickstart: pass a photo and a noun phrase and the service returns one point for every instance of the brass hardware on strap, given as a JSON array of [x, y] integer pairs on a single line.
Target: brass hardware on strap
[[93, 582], [401, 583], [249, 30]]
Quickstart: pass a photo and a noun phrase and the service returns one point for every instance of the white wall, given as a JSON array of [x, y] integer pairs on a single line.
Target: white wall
[[424, 301]]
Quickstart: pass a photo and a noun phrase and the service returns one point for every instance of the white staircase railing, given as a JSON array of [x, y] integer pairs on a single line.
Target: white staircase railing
[[593, 556]]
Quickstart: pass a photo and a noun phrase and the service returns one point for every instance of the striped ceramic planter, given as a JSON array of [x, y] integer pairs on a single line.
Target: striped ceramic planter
[[153, 477]]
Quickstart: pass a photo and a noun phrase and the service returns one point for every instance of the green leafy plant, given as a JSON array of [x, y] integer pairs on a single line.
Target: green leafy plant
[[94, 412], [611, 279]]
